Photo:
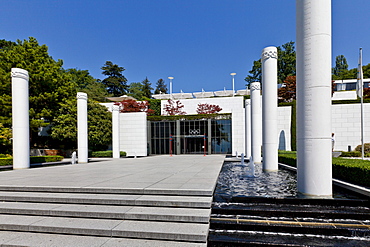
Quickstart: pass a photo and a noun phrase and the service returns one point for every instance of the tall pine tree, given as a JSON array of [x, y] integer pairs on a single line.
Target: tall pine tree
[[147, 88], [160, 87], [116, 82]]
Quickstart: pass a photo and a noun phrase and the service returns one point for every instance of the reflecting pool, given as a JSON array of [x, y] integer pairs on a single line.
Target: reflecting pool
[[236, 180]]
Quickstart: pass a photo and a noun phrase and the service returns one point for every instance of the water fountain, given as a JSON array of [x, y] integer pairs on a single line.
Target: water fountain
[[238, 179], [262, 208]]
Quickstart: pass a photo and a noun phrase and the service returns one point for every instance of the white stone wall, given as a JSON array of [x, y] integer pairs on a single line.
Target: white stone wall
[[284, 126], [346, 125], [344, 95], [133, 133], [233, 105]]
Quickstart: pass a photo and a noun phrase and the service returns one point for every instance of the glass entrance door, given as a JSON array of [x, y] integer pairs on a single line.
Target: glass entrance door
[[192, 136], [193, 145]]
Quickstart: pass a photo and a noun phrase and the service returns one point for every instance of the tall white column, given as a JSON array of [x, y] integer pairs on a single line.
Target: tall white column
[[314, 157], [269, 109], [115, 131], [256, 121], [82, 138], [20, 119], [248, 138]]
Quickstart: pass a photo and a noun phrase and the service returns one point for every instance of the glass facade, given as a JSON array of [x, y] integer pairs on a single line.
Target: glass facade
[[221, 136], [204, 136], [160, 133]]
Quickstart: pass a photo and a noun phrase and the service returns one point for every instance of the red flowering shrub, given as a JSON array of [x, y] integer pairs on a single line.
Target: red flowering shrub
[[174, 108], [208, 109], [131, 105]]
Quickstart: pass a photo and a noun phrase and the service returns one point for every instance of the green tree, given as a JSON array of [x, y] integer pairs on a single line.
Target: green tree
[[365, 71], [286, 64], [255, 73], [88, 84], [96, 91], [49, 85], [286, 61], [160, 87], [136, 90], [82, 78], [340, 71], [340, 65], [5, 139], [147, 88], [5, 44], [64, 128], [116, 82]]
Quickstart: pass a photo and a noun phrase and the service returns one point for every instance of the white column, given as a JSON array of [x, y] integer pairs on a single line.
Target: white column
[[248, 149], [20, 119], [269, 109], [82, 138], [115, 131], [256, 121], [313, 28]]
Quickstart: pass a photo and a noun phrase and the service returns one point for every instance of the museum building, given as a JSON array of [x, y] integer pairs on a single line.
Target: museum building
[[220, 134]]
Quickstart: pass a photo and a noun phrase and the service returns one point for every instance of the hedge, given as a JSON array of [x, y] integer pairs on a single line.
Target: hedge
[[33, 160], [6, 161], [351, 154], [190, 117], [48, 158], [104, 154], [354, 171], [353, 101]]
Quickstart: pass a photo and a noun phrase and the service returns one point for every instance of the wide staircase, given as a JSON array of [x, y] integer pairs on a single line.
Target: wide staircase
[[57, 216], [258, 221]]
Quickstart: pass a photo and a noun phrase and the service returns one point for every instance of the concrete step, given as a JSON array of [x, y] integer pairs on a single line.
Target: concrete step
[[10, 238], [190, 232], [193, 215], [110, 190], [108, 199]]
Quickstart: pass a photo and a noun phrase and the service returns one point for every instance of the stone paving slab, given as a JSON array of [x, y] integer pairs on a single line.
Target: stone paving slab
[[108, 199], [8, 238], [107, 212], [106, 228], [174, 201], [169, 214], [161, 230], [76, 226], [137, 174]]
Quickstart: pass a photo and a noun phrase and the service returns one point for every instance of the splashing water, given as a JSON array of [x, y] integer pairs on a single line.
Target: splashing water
[[236, 180]]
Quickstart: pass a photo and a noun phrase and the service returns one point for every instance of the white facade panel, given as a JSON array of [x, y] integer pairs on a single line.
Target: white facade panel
[[133, 133], [348, 117]]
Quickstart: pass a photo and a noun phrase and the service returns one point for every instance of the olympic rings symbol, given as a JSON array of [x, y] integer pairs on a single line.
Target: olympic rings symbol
[[194, 132]]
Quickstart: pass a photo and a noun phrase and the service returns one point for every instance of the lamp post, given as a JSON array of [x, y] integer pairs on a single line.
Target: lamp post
[[233, 74], [171, 78]]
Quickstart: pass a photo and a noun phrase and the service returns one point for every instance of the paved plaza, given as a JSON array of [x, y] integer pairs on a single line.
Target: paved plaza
[[151, 201], [184, 174]]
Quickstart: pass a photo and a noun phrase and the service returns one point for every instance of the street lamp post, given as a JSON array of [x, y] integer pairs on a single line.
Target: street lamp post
[[233, 74], [171, 78]]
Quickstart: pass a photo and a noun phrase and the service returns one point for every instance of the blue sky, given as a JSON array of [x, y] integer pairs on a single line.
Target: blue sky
[[199, 42]]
